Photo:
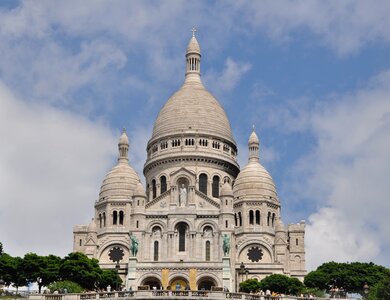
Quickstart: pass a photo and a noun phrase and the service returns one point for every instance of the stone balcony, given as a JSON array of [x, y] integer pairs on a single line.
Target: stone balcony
[[165, 294]]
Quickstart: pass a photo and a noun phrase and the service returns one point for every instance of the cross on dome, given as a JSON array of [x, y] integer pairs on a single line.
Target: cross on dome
[[193, 31]]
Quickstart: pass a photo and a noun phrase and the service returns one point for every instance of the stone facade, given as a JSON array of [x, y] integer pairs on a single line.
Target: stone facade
[[201, 222]]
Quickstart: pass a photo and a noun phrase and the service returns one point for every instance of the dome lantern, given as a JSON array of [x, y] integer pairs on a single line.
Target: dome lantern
[[254, 146], [123, 146], [193, 60]]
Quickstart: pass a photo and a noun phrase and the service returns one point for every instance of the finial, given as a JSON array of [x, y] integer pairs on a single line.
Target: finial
[[193, 31], [124, 130], [253, 127]]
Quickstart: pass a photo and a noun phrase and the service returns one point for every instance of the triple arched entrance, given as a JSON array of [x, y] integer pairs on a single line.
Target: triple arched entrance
[[180, 283]]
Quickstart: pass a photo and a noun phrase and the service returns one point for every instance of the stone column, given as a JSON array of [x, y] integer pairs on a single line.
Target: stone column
[[131, 274], [227, 274]]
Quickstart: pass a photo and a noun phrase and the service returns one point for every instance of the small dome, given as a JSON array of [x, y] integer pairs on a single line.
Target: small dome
[[253, 139], [193, 46], [226, 190], [123, 140], [120, 182], [140, 190], [254, 182]]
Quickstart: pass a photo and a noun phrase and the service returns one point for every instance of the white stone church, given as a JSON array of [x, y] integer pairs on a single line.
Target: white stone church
[[201, 222]]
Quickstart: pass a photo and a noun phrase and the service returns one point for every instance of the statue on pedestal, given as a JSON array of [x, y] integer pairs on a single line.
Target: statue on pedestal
[[133, 245], [183, 196], [226, 245]]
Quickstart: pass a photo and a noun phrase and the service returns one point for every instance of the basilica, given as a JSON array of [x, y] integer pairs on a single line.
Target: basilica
[[201, 222]]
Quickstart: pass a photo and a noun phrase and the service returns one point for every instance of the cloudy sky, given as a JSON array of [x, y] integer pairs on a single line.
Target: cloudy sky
[[313, 76]]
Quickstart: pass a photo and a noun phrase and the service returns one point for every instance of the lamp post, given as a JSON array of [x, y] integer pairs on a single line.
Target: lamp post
[[243, 271], [117, 267], [366, 289]]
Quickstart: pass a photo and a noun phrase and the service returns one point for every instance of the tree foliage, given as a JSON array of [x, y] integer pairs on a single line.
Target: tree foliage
[[380, 291], [281, 284], [109, 278], [250, 285], [77, 267], [350, 276], [276, 283]]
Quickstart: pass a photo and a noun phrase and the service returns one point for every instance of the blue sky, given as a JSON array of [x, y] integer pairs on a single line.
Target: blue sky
[[312, 76]]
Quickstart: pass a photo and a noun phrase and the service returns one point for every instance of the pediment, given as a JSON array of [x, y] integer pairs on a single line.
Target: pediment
[[182, 170], [205, 201], [280, 241], [161, 202], [90, 242]]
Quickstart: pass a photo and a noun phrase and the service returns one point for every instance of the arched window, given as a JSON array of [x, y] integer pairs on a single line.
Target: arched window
[[100, 220], [81, 242], [296, 242], [104, 219], [203, 183], [137, 224], [114, 217], [207, 250], [121, 217], [181, 228], [226, 224], [269, 218], [251, 217], [155, 251], [258, 217], [273, 220], [154, 189], [215, 186], [239, 218], [235, 219], [163, 184]]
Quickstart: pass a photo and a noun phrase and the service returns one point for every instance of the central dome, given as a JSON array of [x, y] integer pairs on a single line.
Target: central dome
[[192, 108]]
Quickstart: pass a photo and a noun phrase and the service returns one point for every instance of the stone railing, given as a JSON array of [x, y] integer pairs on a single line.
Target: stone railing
[[164, 294]]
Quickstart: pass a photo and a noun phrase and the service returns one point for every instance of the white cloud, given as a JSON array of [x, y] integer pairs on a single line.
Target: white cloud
[[228, 78], [344, 26], [49, 174], [347, 175]]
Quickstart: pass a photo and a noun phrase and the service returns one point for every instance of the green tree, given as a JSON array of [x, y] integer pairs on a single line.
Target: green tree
[[109, 277], [281, 284], [77, 267], [17, 276], [50, 272], [7, 268], [350, 276], [250, 285], [32, 266], [1, 248], [380, 291], [66, 285]]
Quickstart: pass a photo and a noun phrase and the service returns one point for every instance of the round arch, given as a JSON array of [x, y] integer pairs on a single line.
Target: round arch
[[206, 283], [153, 223], [150, 278], [205, 223], [203, 171], [105, 248], [182, 220], [179, 283], [174, 179], [267, 256]]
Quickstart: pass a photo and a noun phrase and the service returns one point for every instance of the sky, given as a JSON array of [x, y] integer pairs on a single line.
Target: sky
[[312, 76]]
